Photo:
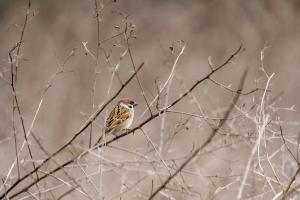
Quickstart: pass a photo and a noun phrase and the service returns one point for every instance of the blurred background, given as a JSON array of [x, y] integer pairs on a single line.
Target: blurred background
[[60, 53]]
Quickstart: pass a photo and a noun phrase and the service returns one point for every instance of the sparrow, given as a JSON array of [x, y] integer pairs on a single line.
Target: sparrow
[[121, 117]]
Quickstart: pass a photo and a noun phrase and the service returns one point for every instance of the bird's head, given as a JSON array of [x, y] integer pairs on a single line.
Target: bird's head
[[127, 103]]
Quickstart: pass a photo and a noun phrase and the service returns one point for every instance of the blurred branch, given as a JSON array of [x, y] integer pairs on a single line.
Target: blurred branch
[[46, 88], [94, 116], [79, 132], [174, 102], [156, 98], [287, 147], [97, 16], [111, 37], [14, 71], [207, 141], [77, 185], [261, 124], [19, 44], [285, 192], [163, 116], [236, 91], [70, 191], [127, 38]]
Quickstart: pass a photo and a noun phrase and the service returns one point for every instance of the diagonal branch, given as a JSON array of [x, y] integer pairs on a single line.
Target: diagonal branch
[[79, 132], [97, 145], [207, 141]]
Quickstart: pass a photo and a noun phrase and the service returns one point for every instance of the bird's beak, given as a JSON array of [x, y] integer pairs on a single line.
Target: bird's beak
[[135, 104]]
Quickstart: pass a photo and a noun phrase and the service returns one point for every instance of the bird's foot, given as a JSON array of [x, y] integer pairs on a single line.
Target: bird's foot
[[127, 130]]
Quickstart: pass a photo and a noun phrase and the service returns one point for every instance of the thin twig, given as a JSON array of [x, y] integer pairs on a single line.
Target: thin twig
[[163, 116], [98, 26], [92, 118], [97, 16], [287, 147], [16, 144], [77, 134], [207, 141], [127, 38], [64, 171], [262, 123], [171, 75], [285, 192], [48, 85], [236, 91], [14, 71]]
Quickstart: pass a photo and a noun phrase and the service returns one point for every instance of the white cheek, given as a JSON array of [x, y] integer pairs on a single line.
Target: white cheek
[[126, 106]]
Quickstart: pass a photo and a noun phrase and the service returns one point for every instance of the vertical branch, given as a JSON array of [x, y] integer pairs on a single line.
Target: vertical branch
[[162, 128], [48, 85], [93, 105], [207, 141], [21, 39], [14, 69], [168, 79], [97, 15], [127, 38], [286, 190], [15, 140], [94, 116], [262, 123]]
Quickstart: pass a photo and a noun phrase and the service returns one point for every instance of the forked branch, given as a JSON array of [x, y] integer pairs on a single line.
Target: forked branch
[[97, 145], [207, 141]]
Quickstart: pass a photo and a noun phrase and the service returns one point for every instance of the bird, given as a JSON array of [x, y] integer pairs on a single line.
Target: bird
[[121, 117]]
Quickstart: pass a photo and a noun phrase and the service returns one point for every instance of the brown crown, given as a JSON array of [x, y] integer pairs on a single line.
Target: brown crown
[[126, 101]]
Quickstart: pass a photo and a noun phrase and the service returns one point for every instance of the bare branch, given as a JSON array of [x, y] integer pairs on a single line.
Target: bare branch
[[207, 141], [93, 117], [79, 132], [127, 38]]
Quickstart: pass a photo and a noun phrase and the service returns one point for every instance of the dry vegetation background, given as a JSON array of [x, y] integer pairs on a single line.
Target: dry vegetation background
[[63, 78]]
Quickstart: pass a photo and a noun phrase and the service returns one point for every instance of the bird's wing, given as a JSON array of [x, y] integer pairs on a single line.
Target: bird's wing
[[117, 116]]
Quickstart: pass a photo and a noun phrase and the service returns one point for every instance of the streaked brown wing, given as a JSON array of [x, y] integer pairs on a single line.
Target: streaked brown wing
[[117, 116]]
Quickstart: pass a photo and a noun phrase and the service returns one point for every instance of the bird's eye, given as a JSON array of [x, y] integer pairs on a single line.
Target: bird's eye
[[130, 106]]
